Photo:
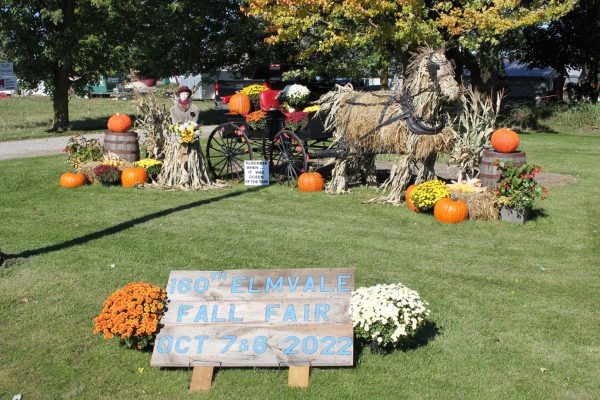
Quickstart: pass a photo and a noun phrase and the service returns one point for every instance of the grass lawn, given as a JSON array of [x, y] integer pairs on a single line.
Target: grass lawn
[[30, 117], [516, 307]]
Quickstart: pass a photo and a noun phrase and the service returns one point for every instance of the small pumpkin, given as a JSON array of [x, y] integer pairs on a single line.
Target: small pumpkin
[[119, 123], [450, 211], [132, 176], [311, 182], [409, 203], [505, 141], [72, 180], [240, 103]]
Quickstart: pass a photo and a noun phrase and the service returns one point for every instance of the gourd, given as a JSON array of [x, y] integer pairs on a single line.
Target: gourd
[[119, 123], [450, 211], [132, 176], [310, 182], [72, 180], [505, 140], [240, 103]]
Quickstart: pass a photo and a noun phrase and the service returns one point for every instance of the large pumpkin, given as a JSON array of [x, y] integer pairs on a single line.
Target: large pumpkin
[[119, 123], [240, 103], [409, 203], [311, 182], [72, 180], [132, 176], [450, 211], [505, 140]]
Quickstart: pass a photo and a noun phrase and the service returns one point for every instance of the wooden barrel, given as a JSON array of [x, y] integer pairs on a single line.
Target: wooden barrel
[[124, 145], [489, 174]]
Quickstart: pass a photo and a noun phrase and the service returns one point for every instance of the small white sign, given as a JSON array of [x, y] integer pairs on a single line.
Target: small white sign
[[6, 69], [8, 83], [256, 173]]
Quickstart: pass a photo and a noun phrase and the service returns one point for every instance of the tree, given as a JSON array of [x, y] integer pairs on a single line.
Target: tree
[[380, 30], [569, 42], [389, 28], [64, 43]]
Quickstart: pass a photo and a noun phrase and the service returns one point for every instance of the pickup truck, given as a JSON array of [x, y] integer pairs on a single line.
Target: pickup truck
[[271, 76]]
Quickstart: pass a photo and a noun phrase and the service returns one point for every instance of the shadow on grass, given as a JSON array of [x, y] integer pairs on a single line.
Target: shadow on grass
[[124, 225], [537, 213], [428, 332]]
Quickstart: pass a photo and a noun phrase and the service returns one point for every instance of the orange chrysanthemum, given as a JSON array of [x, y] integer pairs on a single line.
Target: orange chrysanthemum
[[132, 314]]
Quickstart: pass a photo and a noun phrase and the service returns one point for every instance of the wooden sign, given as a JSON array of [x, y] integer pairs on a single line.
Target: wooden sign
[[264, 318], [6, 69], [8, 83]]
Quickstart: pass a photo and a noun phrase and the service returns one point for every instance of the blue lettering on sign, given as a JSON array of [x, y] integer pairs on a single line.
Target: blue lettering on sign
[[203, 282], [183, 311], [213, 317], [231, 339], [235, 284], [201, 315], [250, 286], [232, 317], [290, 314], [165, 341], [178, 341], [322, 285], [294, 284], [271, 286], [342, 283], [200, 340], [306, 312], [321, 311], [270, 311], [310, 345], [310, 284]]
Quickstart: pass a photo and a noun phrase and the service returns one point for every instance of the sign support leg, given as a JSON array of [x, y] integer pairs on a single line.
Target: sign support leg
[[201, 379], [298, 376]]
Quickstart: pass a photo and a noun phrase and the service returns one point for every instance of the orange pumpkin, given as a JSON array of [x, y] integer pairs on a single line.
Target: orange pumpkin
[[505, 140], [72, 180], [409, 203], [240, 103], [450, 211], [119, 123], [132, 176], [311, 182]]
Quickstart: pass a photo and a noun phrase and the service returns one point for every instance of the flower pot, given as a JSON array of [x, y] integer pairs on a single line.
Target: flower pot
[[517, 215]]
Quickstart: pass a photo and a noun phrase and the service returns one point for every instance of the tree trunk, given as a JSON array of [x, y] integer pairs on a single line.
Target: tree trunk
[[384, 78], [60, 100], [60, 74]]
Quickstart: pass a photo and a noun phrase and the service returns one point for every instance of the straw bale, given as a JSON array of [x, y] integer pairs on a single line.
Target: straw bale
[[482, 205]]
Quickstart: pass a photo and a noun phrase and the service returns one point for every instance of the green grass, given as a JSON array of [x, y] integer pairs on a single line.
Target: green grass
[[508, 300], [30, 117]]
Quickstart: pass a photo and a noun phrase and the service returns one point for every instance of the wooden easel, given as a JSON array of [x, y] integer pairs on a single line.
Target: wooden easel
[[298, 377]]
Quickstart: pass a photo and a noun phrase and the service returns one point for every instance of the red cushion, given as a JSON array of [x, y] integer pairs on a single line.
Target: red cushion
[[268, 99]]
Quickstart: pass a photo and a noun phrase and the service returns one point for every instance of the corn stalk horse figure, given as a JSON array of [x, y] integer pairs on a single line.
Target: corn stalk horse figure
[[410, 124]]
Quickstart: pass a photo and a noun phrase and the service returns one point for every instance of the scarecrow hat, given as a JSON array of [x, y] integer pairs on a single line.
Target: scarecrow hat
[[184, 89]]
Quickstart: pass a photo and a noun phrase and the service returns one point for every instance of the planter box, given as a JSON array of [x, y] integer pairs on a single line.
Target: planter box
[[515, 215]]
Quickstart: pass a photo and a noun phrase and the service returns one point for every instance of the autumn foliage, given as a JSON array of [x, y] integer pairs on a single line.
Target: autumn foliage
[[132, 314]]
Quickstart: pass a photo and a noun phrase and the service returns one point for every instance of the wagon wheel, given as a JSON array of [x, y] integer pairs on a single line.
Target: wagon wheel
[[227, 148], [288, 157]]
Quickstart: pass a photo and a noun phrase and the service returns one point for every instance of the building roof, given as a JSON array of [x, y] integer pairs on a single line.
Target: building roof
[[518, 70]]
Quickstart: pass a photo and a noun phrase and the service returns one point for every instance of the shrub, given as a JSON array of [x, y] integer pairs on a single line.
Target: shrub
[[425, 195], [81, 150], [107, 174]]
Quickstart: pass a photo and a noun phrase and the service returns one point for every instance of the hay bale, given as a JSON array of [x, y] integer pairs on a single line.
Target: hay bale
[[360, 114], [87, 169], [482, 205]]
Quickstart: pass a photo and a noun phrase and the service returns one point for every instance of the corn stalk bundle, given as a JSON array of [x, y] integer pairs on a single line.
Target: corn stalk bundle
[[152, 124]]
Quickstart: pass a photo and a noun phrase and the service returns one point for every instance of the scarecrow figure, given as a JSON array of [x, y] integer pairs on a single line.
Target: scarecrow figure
[[184, 110]]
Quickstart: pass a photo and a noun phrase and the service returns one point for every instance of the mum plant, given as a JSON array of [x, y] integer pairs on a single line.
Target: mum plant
[[151, 166], [253, 91], [107, 174], [387, 314], [426, 194], [132, 314], [294, 95], [296, 121], [517, 187], [81, 150], [257, 120]]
